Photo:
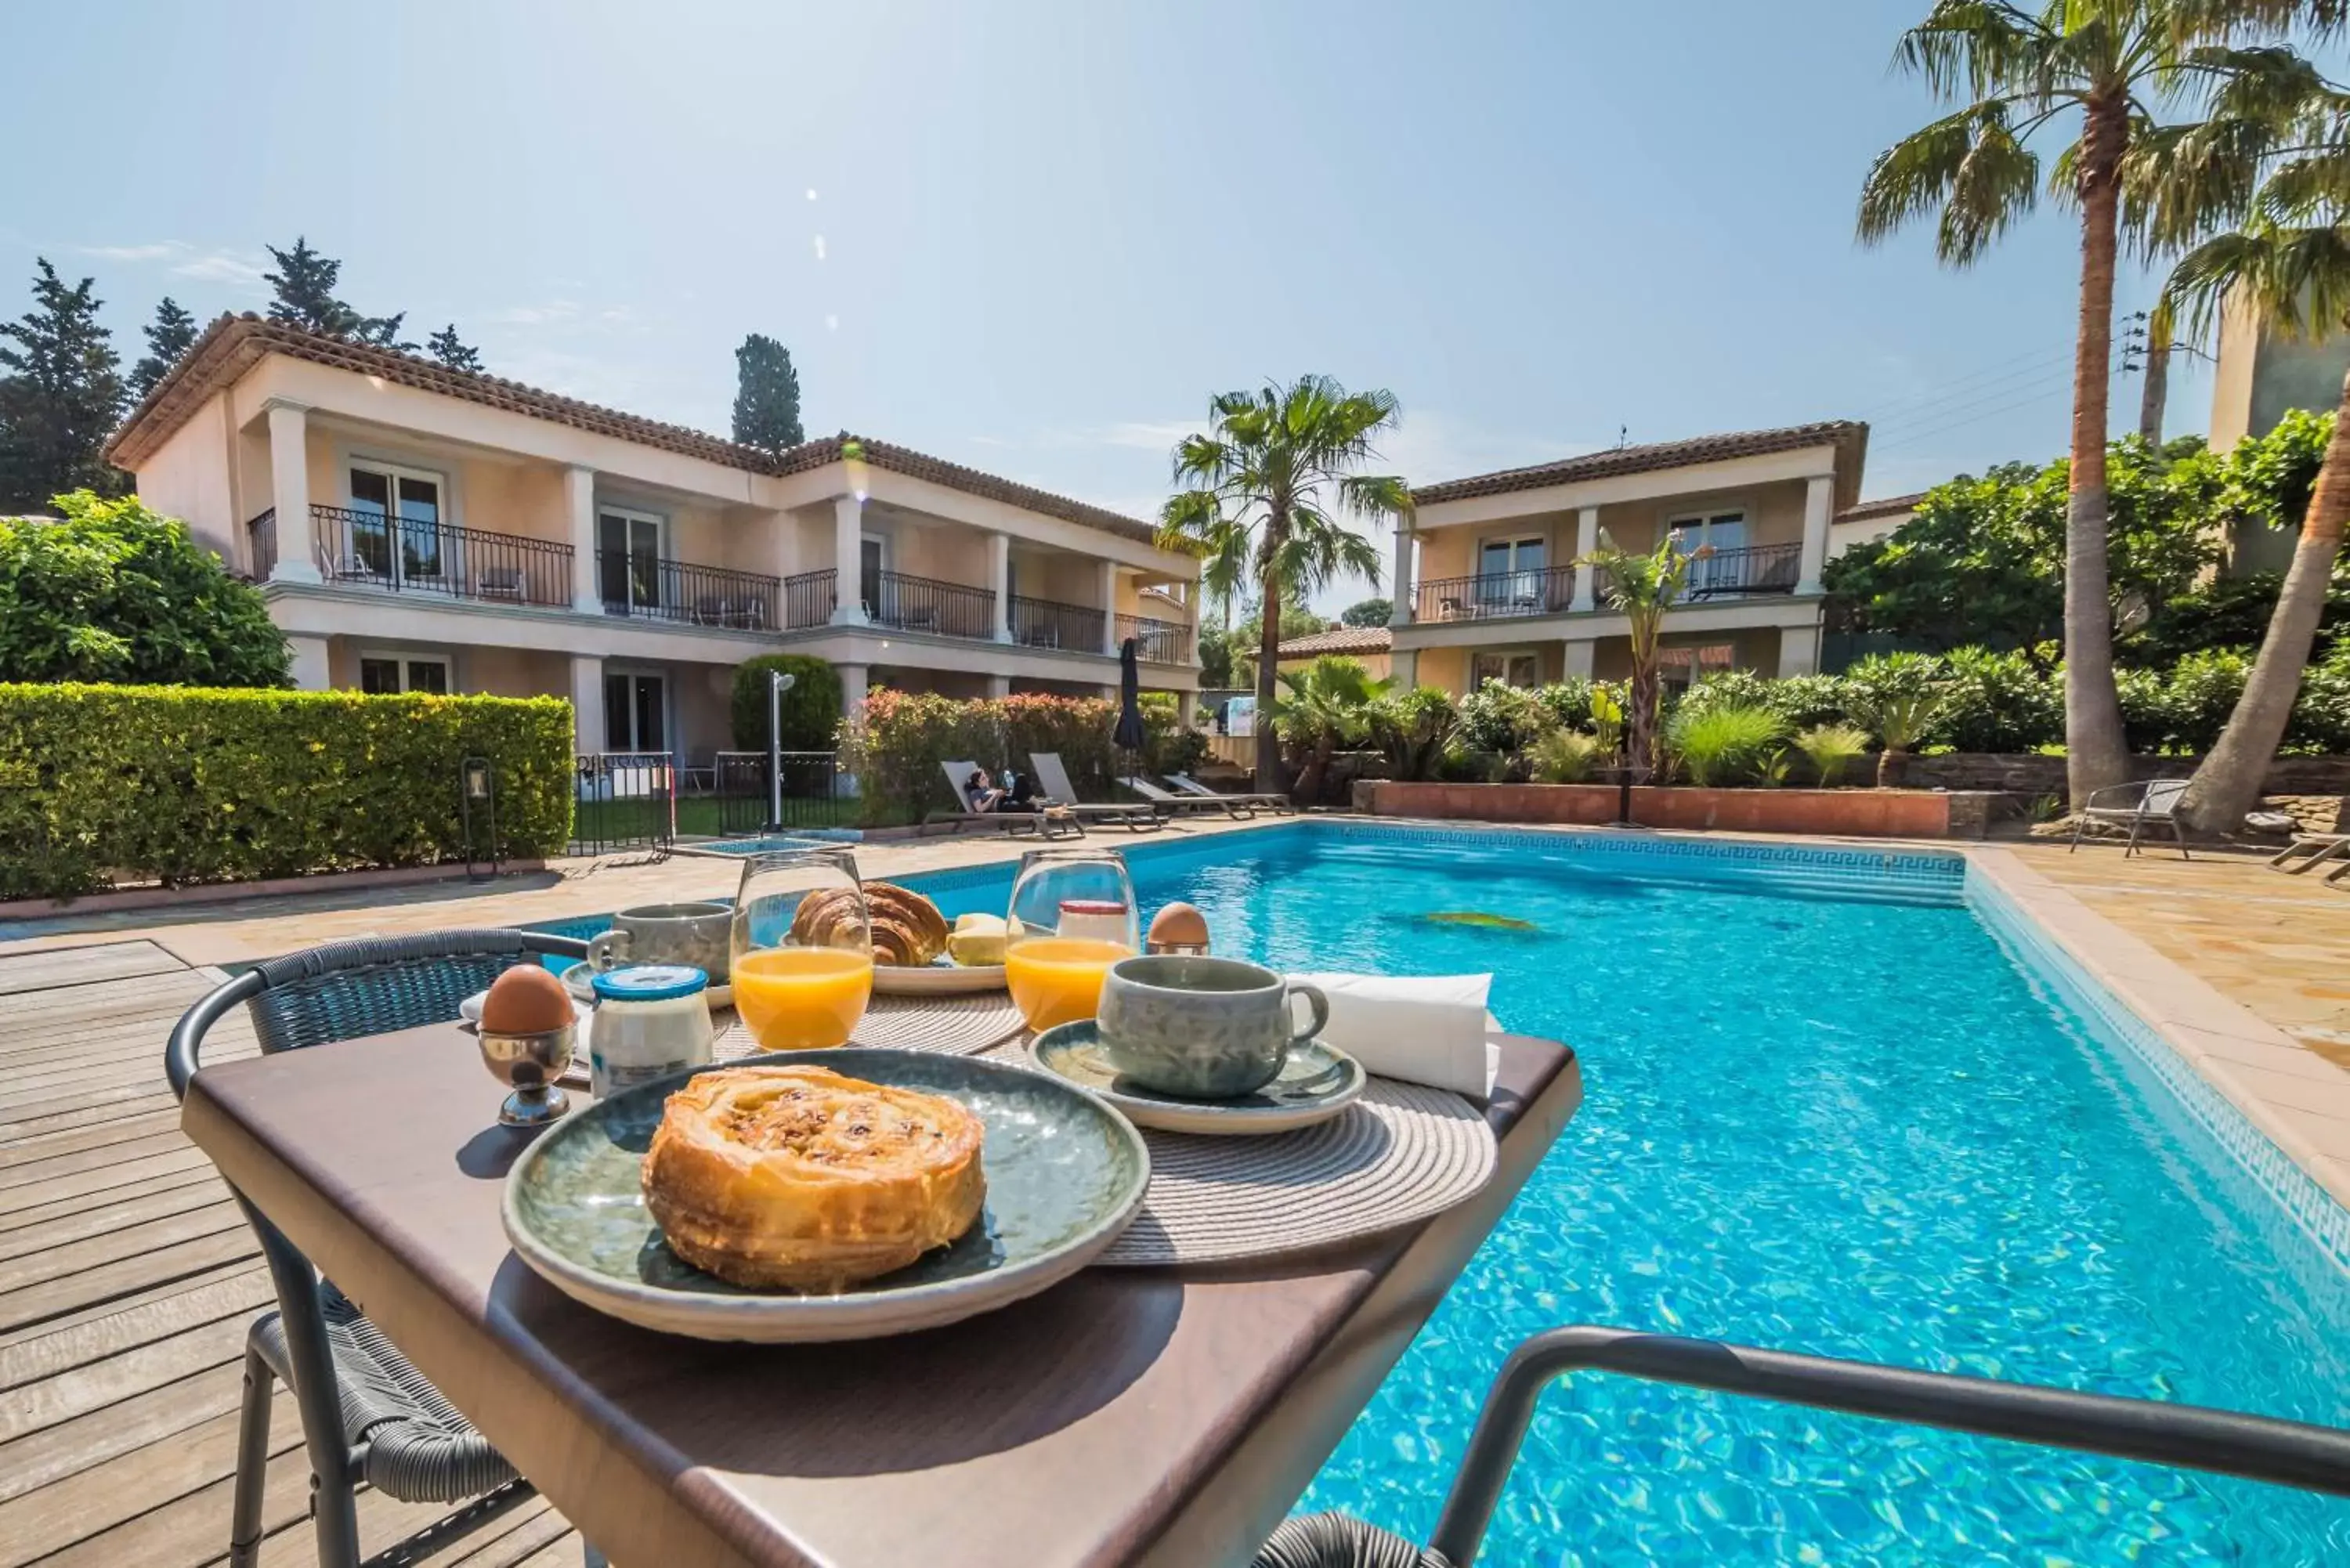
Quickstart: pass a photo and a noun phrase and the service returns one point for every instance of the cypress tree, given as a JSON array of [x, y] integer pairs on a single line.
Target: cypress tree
[[168, 336], [446, 346], [767, 396], [60, 397], [305, 283]]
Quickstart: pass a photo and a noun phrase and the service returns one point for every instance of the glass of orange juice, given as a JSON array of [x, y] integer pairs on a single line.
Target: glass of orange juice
[[801, 949], [1071, 917]]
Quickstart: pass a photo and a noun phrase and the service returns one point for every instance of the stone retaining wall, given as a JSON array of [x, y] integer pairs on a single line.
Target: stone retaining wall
[[2027, 774], [1864, 813]]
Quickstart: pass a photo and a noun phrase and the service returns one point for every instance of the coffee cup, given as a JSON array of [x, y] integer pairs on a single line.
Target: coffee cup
[[694, 934], [1205, 1028]]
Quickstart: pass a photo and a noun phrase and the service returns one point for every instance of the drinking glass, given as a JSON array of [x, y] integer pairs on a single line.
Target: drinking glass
[[801, 950], [1071, 917]]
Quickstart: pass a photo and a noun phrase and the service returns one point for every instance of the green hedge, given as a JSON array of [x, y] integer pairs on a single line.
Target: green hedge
[[107, 783], [810, 710], [897, 742]]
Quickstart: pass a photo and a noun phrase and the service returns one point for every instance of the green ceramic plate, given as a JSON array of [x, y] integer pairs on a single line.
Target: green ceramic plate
[[1316, 1082], [1065, 1175]]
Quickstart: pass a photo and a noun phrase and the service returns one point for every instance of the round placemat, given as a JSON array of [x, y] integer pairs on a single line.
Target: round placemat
[[1401, 1153]]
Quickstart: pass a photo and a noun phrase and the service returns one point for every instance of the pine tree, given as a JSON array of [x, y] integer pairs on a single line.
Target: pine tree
[[445, 347], [168, 336], [305, 281], [767, 395], [60, 399]]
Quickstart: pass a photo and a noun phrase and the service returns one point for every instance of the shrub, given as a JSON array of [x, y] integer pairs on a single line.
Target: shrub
[[896, 745], [1899, 696], [1504, 718], [1720, 743], [2145, 708], [809, 712], [1167, 746], [1831, 748], [2321, 716], [1806, 701], [1998, 702], [2202, 691], [189, 784], [1567, 756], [1568, 703], [1413, 728]]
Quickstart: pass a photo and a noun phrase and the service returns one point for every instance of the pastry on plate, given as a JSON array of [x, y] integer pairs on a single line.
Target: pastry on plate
[[909, 932], [799, 1178]]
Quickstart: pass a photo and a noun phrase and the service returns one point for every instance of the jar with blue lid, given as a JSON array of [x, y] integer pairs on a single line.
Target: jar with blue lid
[[651, 1019]]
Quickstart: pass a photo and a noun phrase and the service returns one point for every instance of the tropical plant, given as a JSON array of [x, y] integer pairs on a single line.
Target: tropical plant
[[2014, 73], [2290, 266], [1720, 743], [1830, 749], [1567, 756], [1608, 717], [1324, 706], [1413, 728], [1265, 486], [1502, 719], [1642, 588], [1899, 696]]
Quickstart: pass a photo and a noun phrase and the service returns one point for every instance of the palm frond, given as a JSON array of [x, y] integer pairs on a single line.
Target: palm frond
[[1967, 169], [1971, 48]]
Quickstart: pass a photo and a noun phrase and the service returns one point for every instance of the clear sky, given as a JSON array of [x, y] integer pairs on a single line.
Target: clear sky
[[1035, 238]]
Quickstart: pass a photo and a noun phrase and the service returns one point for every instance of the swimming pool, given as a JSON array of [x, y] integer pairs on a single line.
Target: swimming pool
[[1835, 1101]]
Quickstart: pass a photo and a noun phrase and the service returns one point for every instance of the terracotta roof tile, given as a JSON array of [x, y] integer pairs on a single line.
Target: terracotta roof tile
[[1885, 507], [1848, 433], [233, 344], [1344, 640]]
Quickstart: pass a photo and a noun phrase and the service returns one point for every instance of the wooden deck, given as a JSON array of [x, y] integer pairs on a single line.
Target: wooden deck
[[128, 1278]]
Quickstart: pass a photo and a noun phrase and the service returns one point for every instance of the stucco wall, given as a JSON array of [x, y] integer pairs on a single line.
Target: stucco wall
[[188, 478], [1774, 515]]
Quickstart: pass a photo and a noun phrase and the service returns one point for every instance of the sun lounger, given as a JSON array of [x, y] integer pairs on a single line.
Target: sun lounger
[[2136, 806], [1272, 800], [1062, 794], [2311, 849], [1041, 823], [1166, 803]]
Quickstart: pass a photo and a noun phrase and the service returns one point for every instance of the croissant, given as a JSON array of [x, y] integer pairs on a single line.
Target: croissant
[[908, 930], [799, 1178]]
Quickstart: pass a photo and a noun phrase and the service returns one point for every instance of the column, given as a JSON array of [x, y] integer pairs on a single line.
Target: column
[[1186, 712], [999, 579], [1819, 510], [1404, 665], [1578, 663], [853, 678], [1799, 651], [1586, 539], [1402, 587], [999, 686], [289, 494], [1109, 597], [587, 705], [579, 506], [849, 571], [310, 665]]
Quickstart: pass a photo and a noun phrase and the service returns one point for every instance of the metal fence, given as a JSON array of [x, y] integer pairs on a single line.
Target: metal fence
[[623, 800], [811, 798], [637, 583], [413, 554]]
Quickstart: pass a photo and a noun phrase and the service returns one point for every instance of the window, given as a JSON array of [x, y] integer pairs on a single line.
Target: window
[[1512, 668], [391, 530], [1722, 532], [389, 674], [874, 560], [1509, 574], [627, 559], [1681, 668], [636, 713]]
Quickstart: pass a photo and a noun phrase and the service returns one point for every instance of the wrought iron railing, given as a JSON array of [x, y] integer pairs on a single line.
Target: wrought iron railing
[[1491, 594], [261, 536], [633, 584], [412, 555], [1048, 623], [809, 599], [1157, 641], [1749, 569], [909, 603], [811, 795], [623, 800]]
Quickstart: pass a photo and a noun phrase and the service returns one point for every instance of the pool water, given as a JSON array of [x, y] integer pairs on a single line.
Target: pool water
[[1840, 1124]]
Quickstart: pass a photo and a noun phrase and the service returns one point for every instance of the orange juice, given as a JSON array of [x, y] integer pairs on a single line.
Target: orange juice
[[1058, 980], [802, 998]]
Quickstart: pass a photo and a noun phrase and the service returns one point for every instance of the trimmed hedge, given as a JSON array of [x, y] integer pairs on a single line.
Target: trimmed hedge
[[896, 744], [100, 785]]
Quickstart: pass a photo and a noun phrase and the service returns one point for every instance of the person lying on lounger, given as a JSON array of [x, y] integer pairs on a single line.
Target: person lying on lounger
[[980, 794]]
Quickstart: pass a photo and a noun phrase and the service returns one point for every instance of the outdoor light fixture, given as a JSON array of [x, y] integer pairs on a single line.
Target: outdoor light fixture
[[477, 795]]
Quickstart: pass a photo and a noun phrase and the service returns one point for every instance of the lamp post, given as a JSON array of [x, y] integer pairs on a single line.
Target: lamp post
[[778, 682]]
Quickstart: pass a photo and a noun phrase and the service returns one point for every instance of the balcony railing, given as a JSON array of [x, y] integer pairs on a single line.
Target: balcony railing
[[809, 599], [1493, 595], [1048, 623], [1750, 569], [410, 555], [261, 533], [1157, 641], [634, 584], [925, 604]]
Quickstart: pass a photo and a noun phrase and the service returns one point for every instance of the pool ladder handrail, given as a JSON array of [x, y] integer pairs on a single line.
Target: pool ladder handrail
[[2191, 1436]]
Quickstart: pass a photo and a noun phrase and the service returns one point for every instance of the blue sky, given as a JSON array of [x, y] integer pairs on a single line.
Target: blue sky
[[1035, 237]]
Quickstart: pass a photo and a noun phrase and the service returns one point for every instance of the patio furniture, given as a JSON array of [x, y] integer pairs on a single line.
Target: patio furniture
[[1161, 1415], [1272, 799], [367, 1414], [1170, 802], [2136, 806], [2189, 1437], [500, 583], [1061, 792], [2310, 850], [1043, 824]]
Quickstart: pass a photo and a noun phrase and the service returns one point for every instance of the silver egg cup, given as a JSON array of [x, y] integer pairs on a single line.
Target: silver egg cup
[[529, 1064]]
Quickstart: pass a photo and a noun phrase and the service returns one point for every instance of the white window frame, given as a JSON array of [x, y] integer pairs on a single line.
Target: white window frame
[[1705, 517], [661, 542], [448, 665], [1504, 655], [394, 472], [1517, 542], [635, 672]]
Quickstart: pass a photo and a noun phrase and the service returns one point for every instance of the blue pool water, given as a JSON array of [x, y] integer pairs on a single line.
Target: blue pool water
[[1844, 1120]]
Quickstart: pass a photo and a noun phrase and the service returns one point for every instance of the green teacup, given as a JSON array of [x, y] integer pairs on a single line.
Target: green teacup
[[1207, 1028]]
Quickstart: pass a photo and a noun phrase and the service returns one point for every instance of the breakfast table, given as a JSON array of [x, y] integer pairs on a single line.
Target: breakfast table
[[1160, 1416]]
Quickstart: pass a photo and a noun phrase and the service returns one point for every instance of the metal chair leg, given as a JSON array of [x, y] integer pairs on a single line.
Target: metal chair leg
[[333, 1504], [251, 1457]]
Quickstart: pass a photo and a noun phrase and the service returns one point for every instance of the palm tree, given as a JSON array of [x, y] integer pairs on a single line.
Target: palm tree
[[1260, 484], [1642, 588], [1327, 704], [2102, 65], [2289, 267]]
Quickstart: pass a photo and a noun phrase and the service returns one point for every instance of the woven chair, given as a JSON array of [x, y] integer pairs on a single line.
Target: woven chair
[[366, 1415]]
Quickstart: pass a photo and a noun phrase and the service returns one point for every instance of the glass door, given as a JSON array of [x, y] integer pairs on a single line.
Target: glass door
[[873, 561], [628, 561], [636, 713], [1725, 533], [1509, 576], [392, 531]]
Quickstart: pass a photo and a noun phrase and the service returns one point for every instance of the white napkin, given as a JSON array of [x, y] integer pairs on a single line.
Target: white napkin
[[1422, 1029]]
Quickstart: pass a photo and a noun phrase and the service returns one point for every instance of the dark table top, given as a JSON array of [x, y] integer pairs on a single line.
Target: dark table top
[[1161, 1415]]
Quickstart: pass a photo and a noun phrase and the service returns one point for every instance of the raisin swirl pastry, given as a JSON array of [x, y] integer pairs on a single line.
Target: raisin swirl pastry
[[799, 1178]]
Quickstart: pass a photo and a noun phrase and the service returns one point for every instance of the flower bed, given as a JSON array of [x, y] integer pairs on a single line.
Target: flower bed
[[1860, 812]]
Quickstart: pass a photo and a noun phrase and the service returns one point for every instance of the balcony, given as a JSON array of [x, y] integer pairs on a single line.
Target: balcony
[[1734, 574], [1047, 623], [1157, 641], [809, 599], [262, 532], [1495, 595], [635, 584], [409, 554], [907, 602]]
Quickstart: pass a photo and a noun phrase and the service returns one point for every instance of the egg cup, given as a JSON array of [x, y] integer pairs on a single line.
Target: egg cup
[[529, 1064]]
